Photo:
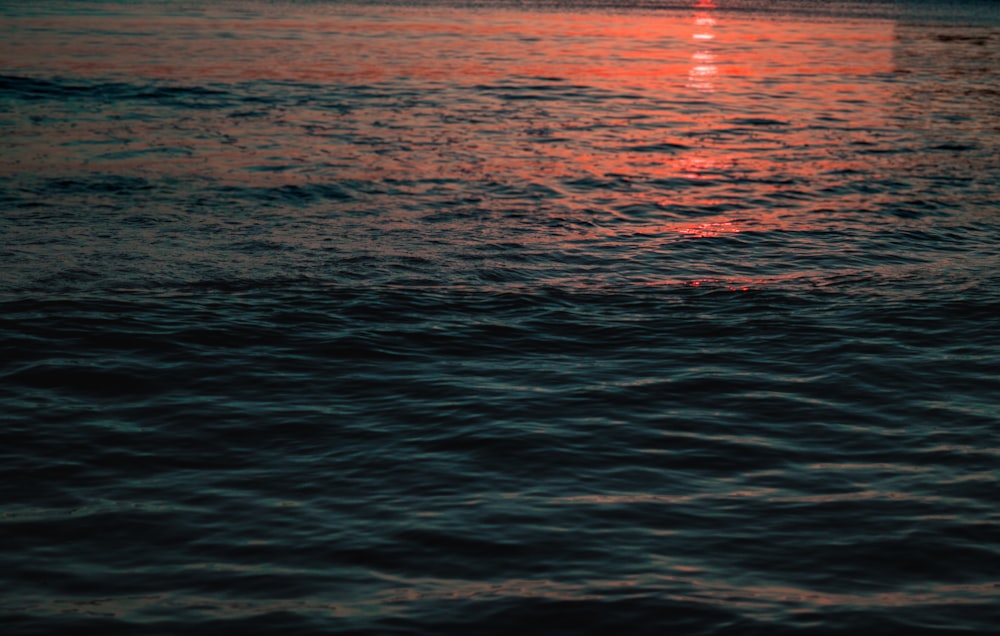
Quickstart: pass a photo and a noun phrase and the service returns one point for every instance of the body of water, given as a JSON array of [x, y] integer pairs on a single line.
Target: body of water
[[552, 318]]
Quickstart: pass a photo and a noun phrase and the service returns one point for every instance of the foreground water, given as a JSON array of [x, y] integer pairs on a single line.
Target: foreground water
[[566, 319]]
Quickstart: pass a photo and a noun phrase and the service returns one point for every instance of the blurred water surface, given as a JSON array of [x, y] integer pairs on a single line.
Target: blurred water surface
[[582, 318]]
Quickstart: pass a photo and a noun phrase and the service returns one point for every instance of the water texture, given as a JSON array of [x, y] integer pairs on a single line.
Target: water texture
[[593, 318]]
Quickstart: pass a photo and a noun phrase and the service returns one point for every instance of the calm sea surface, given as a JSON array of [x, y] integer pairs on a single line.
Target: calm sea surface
[[553, 318]]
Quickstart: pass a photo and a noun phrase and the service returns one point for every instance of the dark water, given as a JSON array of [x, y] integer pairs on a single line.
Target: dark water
[[550, 319]]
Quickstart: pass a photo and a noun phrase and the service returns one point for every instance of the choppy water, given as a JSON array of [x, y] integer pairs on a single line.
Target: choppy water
[[550, 319]]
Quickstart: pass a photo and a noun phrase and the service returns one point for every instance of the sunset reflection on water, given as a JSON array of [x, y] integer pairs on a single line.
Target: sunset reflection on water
[[658, 125], [651, 95]]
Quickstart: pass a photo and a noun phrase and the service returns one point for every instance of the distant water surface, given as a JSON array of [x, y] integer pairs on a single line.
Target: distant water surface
[[552, 318]]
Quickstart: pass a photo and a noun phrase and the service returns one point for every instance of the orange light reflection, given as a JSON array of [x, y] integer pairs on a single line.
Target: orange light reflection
[[639, 117]]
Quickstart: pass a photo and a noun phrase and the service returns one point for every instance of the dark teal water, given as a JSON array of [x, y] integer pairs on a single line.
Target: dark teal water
[[327, 318]]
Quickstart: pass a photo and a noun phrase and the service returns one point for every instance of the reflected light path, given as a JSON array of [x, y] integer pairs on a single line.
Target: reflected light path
[[704, 71]]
